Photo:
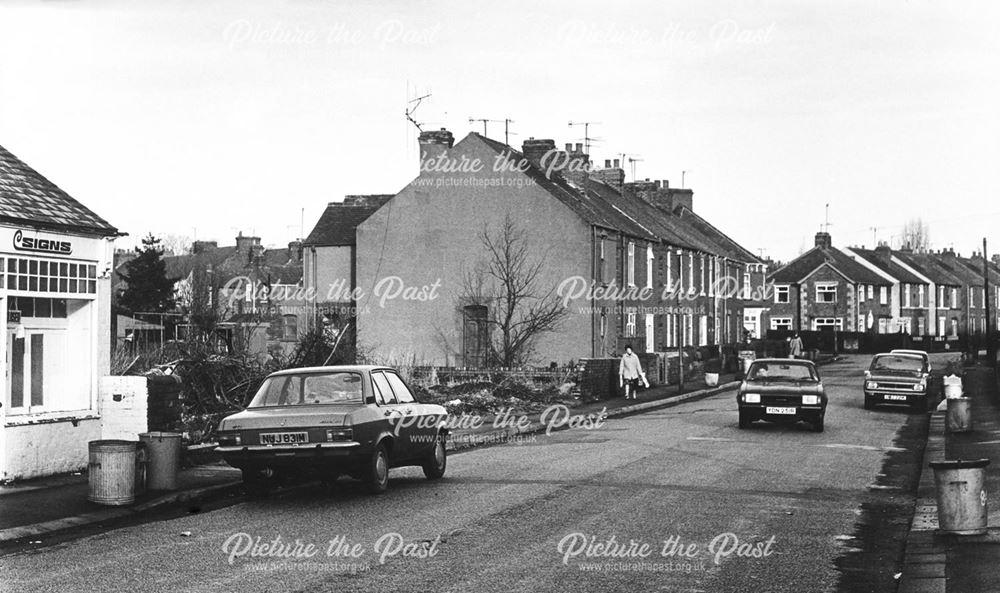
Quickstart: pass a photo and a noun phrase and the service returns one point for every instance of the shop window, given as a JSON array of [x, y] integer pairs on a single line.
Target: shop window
[[33, 275], [37, 307]]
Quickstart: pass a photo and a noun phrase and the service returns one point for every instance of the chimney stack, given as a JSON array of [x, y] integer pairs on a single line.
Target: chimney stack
[[823, 240], [294, 252], [534, 150], [433, 144], [884, 253]]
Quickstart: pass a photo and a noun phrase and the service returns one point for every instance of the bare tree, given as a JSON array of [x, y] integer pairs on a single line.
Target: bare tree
[[916, 235], [176, 244], [508, 283]]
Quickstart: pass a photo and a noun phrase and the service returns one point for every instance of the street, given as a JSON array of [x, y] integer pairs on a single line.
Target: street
[[677, 499]]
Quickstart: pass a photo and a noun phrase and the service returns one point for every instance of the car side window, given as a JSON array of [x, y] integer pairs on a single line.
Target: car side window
[[402, 392], [383, 392]]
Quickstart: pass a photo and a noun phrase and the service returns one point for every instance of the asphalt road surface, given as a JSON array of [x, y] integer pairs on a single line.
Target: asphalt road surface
[[685, 500]]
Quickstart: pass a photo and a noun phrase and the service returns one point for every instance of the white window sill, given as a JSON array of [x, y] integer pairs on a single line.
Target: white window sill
[[50, 418]]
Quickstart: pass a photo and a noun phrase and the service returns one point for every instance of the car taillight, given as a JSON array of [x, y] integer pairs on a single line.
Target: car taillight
[[230, 439], [339, 434]]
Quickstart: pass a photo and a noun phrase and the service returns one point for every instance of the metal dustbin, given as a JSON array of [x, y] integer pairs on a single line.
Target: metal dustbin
[[961, 497], [164, 450], [746, 359], [111, 472], [959, 415], [952, 386]]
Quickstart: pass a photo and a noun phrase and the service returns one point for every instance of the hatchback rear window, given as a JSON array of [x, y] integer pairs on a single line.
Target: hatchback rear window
[[309, 389]]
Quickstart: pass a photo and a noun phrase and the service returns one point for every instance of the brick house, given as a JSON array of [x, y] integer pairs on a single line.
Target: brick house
[[912, 291], [827, 288], [585, 228]]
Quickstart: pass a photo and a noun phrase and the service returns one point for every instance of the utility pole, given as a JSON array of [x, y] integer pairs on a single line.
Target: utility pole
[[990, 349]]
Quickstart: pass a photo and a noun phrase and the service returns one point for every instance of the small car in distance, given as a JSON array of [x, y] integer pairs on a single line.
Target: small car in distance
[[897, 378], [782, 390], [328, 421]]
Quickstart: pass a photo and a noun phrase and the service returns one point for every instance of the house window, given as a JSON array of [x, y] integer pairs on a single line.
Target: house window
[[826, 292], [940, 296], [905, 325], [781, 294], [604, 322], [781, 323], [630, 324], [941, 329], [289, 327], [921, 326], [649, 270], [691, 271], [600, 260], [711, 276], [954, 298], [871, 292], [861, 323], [703, 330], [821, 323], [746, 283], [906, 294], [701, 271], [920, 297], [689, 329], [670, 330], [883, 296], [630, 269], [972, 298], [861, 293], [883, 325]]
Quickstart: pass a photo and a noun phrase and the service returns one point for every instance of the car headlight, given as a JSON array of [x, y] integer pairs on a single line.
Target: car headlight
[[871, 385], [920, 386], [751, 398], [810, 400]]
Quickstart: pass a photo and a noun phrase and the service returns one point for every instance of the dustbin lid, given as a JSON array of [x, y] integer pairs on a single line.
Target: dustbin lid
[[960, 464], [149, 436]]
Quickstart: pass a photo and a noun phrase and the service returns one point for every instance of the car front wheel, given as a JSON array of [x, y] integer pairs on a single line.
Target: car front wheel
[[437, 460], [817, 425], [377, 473], [744, 421], [869, 402]]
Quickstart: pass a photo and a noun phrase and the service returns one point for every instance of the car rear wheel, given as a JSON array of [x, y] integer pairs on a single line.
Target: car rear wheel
[[437, 460], [744, 421], [377, 472]]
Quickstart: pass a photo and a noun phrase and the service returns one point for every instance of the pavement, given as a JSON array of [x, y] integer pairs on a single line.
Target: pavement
[[36, 507], [936, 561]]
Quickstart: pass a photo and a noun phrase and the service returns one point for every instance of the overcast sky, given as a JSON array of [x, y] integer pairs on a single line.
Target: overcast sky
[[213, 117]]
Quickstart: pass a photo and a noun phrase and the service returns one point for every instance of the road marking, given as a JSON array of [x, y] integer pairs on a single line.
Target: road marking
[[718, 439], [825, 445]]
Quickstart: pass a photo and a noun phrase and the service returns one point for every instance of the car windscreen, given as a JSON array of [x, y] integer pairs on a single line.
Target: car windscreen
[[909, 364], [309, 389], [778, 371]]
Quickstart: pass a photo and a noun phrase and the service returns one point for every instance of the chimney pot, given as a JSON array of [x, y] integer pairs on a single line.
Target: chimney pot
[[617, 164], [569, 147], [607, 163], [666, 184], [579, 147]]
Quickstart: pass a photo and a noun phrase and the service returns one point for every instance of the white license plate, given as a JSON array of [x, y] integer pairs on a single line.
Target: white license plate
[[771, 410], [284, 438], [895, 397]]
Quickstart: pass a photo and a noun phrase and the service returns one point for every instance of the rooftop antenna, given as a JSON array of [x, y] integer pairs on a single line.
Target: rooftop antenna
[[684, 174], [874, 230], [633, 161], [484, 120], [411, 108], [506, 131], [586, 133], [826, 221]]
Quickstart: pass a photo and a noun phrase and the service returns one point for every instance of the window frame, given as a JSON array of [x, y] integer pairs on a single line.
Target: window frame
[[782, 289], [828, 288]]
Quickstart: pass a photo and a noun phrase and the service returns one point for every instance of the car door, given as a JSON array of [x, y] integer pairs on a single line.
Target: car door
[[417, 430], [392, 412]]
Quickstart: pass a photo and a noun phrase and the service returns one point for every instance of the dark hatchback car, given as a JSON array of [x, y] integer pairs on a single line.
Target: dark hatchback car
[[782, 390], [898, 378], [328, 421]]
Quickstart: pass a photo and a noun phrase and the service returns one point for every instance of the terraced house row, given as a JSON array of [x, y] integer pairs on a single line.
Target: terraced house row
[[930, 293], [584, 227]]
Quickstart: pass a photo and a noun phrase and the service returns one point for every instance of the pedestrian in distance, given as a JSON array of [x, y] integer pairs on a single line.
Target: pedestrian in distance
[[630, 373], [795, 347]]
